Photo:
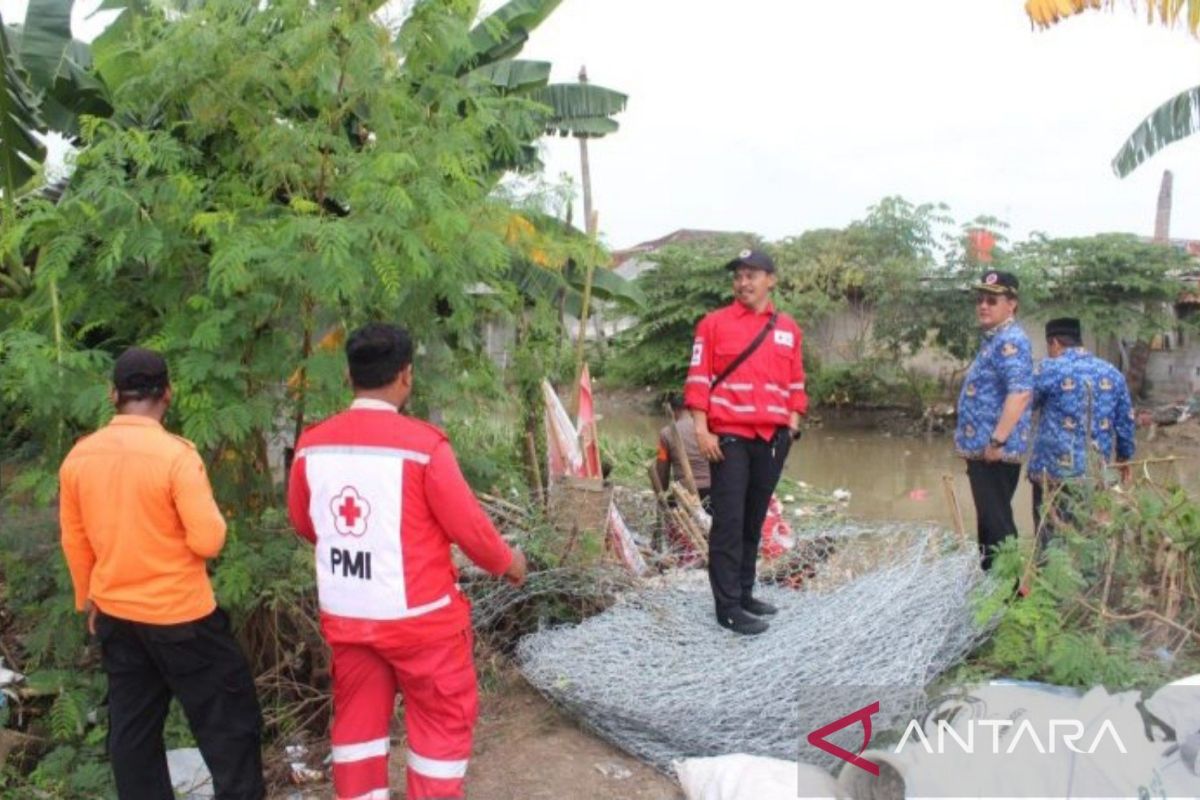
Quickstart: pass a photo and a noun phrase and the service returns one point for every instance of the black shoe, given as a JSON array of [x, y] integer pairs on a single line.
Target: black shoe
[[759, 608], [739, 621]]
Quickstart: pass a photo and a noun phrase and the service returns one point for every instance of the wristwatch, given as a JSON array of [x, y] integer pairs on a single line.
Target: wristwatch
[[994, 442]]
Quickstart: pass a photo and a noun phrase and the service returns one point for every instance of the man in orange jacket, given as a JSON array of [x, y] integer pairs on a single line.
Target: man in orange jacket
[[138, 524]]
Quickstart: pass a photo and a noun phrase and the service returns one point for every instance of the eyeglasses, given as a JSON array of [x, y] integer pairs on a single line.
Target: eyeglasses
[[987, 299]]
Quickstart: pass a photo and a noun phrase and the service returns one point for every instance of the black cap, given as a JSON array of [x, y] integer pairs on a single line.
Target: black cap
[[754, 259], [140, 371], [996, 282], [1064, 326]]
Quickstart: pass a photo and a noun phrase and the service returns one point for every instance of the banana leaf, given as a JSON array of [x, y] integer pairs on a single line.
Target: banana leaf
[[503, 33], [1175, 119], [20, 149]]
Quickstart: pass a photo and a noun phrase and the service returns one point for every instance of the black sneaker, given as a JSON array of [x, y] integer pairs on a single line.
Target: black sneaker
[[739, 621], [759, 608]]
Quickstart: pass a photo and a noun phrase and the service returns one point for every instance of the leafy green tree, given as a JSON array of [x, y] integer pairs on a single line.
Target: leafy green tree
[[268, 172], [919, 288], [1117, 284], [882, 261], [687, 282]]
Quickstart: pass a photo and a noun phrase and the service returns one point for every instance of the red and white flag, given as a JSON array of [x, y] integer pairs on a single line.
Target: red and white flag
[[562, 441], [586, 423]]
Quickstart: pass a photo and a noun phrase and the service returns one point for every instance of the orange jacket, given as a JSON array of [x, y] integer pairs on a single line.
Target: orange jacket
[[138, 521]]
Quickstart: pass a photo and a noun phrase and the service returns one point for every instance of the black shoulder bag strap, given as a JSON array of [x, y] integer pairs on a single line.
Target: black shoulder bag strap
[[749, 351]]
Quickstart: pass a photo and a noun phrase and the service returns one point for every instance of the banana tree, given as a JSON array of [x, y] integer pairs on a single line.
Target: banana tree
[[48, 82], [545, 265], [582, 109], [572, 109], [1175, 119], [20, 149]]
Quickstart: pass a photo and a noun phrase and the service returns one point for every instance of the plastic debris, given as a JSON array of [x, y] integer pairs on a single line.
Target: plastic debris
[[190, 777], [615, 771]]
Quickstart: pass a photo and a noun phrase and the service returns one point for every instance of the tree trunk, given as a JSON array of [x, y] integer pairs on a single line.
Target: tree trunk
[[585, 172], [529, 395], [1139, 357]]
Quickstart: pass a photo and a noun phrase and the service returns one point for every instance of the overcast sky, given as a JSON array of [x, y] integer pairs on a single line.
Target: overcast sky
[[776, 116]]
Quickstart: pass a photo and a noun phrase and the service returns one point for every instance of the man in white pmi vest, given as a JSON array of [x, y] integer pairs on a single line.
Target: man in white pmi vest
[[381, 496]]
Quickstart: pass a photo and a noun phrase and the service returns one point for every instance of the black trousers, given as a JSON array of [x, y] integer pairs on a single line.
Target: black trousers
[[1045, 519], [992, 488], [201, 665], [741, 491]]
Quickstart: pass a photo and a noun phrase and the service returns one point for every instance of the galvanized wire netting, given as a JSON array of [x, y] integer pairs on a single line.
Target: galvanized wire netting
[[654, 674]]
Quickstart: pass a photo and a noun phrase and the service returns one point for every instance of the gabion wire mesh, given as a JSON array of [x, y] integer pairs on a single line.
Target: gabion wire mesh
[[656, 676]]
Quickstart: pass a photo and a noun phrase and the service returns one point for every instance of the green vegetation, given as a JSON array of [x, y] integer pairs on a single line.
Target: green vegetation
[[1114, 600], [903, 272], [251, 182]]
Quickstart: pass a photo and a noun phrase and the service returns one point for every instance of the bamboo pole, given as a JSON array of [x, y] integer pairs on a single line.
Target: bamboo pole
[[685, 465], [593, 225], [1143, 461], [538, 495], [692, 514], [955, 510], [664, 509], [1154, 615]]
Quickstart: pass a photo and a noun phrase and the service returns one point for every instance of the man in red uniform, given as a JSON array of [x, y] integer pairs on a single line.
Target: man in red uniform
[[381, 496], [745, 387]]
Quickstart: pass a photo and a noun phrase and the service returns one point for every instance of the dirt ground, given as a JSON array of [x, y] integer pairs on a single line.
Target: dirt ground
[[525, 749]]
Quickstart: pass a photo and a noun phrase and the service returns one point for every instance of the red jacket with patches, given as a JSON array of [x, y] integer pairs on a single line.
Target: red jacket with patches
[[382, 498], [760, 395]]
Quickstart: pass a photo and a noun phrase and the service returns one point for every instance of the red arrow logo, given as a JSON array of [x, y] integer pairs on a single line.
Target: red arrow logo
[[863, 715]]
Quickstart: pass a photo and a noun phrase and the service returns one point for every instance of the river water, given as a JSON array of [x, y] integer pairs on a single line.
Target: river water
[[890, 477]]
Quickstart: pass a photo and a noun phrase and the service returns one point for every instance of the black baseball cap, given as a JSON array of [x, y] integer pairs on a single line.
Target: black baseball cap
[[1064, 326], [996, 282], [142, 372], [755, 259]]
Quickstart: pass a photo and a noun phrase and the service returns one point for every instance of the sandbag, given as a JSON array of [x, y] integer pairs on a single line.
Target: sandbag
[[744, 777]]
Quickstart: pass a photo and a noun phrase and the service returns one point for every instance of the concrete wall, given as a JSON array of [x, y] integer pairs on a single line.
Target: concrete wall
[[1173, 370], [1174, 375]]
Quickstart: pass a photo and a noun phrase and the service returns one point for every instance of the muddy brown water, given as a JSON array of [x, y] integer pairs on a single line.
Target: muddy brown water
[[893, 477]]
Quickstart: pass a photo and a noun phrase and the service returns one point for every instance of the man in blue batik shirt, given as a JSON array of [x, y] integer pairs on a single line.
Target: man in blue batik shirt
[[1086, 415], [993, 411]]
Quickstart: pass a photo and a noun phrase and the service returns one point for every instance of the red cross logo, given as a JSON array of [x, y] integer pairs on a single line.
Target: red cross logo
[[350, 512]]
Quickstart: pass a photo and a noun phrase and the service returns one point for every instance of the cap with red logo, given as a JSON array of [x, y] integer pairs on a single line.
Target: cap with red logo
[[996, 282], [754, 259]]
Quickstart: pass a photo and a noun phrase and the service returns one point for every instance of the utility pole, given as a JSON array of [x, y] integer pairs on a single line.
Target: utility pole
[[588, 219]]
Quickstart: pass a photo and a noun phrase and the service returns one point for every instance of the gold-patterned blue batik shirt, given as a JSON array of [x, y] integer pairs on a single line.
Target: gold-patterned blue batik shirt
[[1003, 366], [1084, 410]]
